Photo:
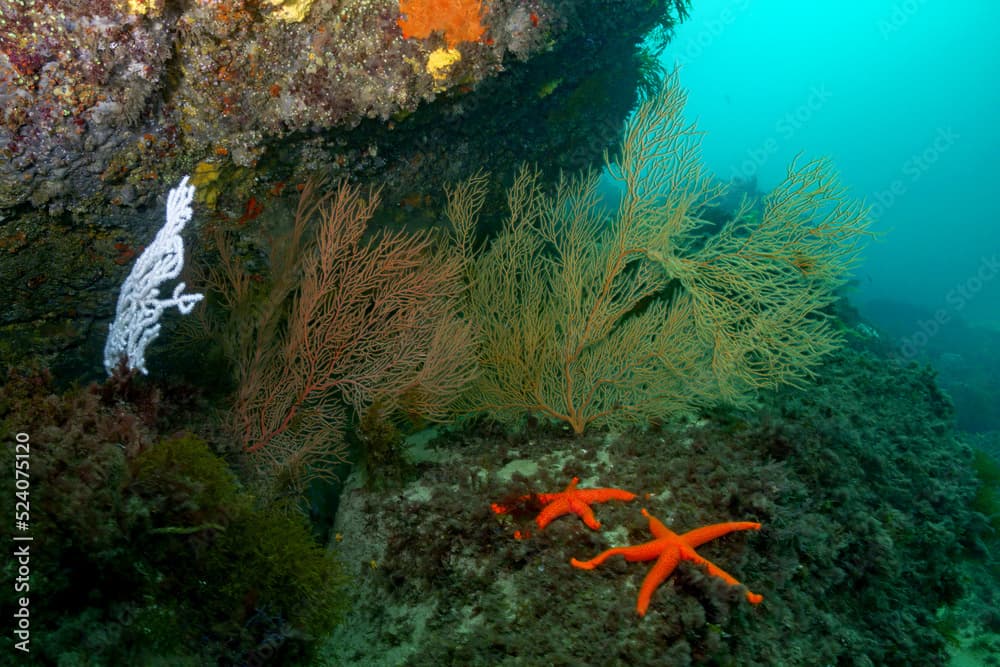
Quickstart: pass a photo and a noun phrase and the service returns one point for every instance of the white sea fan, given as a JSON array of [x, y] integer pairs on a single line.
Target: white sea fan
[[137, 317]]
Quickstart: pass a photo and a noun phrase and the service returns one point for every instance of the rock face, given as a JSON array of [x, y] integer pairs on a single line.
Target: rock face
[[105, 105], [107, 98]]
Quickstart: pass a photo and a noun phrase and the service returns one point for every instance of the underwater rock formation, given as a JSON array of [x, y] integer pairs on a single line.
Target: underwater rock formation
[[101, 101], [860, 484], [105, 102]]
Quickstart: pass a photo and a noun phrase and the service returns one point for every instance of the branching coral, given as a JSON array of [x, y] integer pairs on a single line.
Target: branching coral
[[340, 320], [591, 317]]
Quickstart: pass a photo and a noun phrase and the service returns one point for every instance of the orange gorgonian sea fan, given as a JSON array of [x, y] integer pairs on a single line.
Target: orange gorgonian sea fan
[[457, 20]]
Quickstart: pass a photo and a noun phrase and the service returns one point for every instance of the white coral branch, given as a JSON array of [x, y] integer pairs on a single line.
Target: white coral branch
[[137, 317]]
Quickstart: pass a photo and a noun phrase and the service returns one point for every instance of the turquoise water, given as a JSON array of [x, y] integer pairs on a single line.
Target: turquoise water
[[902, 94]]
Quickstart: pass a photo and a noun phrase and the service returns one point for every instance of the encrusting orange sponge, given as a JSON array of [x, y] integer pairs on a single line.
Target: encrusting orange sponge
[[457, 20]]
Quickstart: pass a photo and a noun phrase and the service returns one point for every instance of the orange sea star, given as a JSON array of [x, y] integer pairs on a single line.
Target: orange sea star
[[571, 501], [669, 549]]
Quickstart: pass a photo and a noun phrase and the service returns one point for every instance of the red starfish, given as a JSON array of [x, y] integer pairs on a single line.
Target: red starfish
[[578, 502], [571, 500], [669, 549]]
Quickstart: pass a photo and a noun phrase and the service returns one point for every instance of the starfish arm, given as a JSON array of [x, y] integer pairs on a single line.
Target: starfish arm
[[639, 552], [582, 509], [604, 495], [657, 574], [657, 528], [596, 560], [699, 536], [553, 510], [717, 571]]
